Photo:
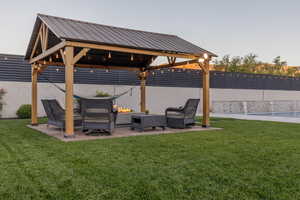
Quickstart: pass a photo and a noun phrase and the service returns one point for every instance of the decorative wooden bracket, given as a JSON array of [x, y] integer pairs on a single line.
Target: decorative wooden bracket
[[82, 53], [171, 60], [63, 56], [76, 58]]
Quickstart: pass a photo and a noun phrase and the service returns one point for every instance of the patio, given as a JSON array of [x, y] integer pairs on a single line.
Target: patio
[[118, 133]]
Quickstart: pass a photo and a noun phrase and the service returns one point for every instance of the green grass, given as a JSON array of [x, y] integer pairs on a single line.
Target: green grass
[[245, 160]]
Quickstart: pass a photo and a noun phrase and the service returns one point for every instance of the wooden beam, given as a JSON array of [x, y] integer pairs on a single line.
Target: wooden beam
[[110, 67], [143, 78], [130, 50], [205, 93], [48, 52], [69, 76], [35, 46], [173, 65], [82, 53], [34, 78], [41, 36], [46, 37]]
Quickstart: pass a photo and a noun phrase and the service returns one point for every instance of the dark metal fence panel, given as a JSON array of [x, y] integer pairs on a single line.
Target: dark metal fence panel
[[14, 68]]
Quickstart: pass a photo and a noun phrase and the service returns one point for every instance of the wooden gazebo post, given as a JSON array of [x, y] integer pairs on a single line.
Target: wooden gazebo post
[[34, 78], [143, 78], [69, 80], [205, 93]]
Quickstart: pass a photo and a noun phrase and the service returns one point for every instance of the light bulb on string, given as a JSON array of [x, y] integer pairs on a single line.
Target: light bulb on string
[[57, 56], [50, 59], [131, 58], [201, 60], [109, 55], [57, 69], [205, 56]]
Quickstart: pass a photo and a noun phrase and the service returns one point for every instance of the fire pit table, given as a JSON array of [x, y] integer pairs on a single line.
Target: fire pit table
[[143, 121]]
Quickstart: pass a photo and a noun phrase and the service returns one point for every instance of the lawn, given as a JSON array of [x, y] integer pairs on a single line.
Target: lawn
[[245, 160]]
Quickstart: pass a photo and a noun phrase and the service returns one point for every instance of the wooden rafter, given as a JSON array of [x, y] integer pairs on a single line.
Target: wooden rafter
[[173, 65]]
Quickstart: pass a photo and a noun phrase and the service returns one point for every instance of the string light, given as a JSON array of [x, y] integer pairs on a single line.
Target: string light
[[57, 56], [201, 60], [153, 73], [92, 71], [57, 69], [205, 56], [106, 70], [50, 59], [75, 70], [44, 62], [5, 58], [109, 55], [131, 58]]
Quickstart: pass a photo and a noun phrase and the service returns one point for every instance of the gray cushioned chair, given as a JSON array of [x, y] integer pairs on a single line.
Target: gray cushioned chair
[[56, 114], [182, 117], [98, 114]]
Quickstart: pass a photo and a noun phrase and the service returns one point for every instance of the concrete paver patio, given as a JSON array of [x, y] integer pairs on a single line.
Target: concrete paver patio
[[119, 132]]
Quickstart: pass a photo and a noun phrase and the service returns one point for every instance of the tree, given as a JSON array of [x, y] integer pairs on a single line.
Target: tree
[[250, 64]]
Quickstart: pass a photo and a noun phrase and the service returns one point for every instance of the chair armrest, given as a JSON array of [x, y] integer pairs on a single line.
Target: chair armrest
[[171, 109]]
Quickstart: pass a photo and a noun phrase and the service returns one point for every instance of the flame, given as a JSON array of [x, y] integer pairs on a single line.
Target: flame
[[122, 109]]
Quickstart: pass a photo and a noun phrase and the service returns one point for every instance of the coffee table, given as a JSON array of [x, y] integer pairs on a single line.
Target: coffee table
[[143, 121]]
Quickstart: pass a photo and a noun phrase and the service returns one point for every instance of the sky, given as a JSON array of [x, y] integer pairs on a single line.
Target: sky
[[268, 28]]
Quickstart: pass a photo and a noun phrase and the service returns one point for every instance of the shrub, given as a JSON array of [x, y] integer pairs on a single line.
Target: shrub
[[102, 94], [24, 112], [2, 93]]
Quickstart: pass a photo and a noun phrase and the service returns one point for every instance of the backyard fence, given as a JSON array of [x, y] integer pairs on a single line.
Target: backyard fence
[[14, 68]]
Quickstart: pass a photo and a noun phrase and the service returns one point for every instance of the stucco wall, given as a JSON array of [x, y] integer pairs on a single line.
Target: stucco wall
[[158, 98]]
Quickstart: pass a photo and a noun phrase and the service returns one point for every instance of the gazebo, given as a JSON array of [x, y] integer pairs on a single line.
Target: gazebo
[[65, 42]]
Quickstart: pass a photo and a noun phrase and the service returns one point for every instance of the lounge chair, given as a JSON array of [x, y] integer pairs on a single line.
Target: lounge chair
[[98, 114], [56, 114], [182, 117]]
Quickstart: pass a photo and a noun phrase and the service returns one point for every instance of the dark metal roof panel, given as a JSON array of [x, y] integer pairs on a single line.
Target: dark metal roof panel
[[102, 34]]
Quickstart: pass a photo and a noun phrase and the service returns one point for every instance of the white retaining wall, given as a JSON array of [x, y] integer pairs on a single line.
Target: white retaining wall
[[157, 98]]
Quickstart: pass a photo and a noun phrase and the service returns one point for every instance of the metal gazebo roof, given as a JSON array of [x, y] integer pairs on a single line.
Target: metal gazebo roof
[[79, 31]]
